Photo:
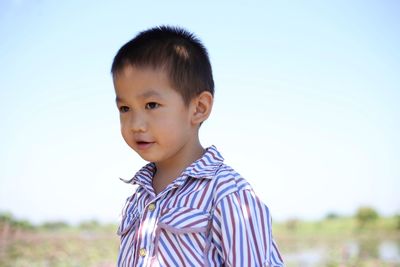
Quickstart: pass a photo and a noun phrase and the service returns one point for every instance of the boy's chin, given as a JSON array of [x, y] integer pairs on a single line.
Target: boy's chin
[[147, 158]]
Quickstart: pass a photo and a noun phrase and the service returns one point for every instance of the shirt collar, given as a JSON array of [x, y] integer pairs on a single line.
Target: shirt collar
[[203, 168]]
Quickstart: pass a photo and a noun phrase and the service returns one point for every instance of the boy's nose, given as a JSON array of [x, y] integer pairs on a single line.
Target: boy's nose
[[138, 123]]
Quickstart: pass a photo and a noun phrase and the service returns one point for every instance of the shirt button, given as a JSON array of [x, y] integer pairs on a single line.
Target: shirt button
[[152, 207], [142, 252]]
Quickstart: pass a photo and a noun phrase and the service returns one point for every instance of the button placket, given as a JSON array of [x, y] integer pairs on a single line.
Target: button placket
[[149, 215], [142, 252], [151, 207]]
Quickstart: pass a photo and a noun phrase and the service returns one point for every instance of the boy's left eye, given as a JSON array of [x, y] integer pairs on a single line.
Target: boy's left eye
[[152, 105]]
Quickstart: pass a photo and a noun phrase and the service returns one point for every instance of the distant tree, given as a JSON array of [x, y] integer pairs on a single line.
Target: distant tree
[[366, 215], [24, 225], [6, 223], [6, 217], [332, 216], [292, 224], [56, 225], [397, 218], [89, 225]]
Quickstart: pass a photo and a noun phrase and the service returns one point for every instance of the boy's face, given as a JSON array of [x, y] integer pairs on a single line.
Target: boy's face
[[155, 122]]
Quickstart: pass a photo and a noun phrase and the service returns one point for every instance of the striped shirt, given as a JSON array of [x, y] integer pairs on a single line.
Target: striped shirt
[[208, 216]]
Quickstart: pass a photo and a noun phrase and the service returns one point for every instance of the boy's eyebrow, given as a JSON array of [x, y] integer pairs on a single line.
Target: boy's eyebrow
[[150, 93], [147, 94]]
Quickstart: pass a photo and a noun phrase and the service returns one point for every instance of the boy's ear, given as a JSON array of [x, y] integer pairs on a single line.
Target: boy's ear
[[202, 105]]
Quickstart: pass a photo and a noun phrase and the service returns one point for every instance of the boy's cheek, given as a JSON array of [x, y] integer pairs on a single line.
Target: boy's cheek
[[124, 123], [125, 134], [128, 140]]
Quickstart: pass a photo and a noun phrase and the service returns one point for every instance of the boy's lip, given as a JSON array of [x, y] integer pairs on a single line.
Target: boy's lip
[[142, 145]]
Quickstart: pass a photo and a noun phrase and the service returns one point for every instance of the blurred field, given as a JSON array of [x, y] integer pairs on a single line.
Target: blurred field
[[340, 242], [334, 241], [59, 246]]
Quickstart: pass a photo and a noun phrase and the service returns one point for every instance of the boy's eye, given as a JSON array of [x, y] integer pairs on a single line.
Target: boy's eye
[[152, 105], [123, 109]]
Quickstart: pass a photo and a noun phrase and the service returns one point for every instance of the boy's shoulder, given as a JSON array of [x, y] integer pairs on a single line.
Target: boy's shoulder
[[223, 179], [211, 166], [227, 181]]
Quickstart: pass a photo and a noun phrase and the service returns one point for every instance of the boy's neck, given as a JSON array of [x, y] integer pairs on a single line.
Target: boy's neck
[[167, 172]]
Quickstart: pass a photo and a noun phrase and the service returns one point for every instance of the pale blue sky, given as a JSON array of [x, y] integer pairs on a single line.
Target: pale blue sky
[[306, 109]]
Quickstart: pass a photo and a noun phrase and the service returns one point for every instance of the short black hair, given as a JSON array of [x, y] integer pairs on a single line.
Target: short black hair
[[175, 50]]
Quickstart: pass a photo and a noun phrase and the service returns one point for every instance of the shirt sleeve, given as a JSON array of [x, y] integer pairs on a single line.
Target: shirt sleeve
[[242, 231]]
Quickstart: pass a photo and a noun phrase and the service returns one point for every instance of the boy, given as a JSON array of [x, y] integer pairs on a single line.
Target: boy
[[189, 209]]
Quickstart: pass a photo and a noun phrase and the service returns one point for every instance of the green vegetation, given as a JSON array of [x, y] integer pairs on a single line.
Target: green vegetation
[[340, 240], [366, 216], [56, 244], [329, 228], [6, 218], [397, 218], [344, 241], [332, 215]]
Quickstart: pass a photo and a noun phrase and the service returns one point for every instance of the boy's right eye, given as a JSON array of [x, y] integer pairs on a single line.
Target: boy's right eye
[[123, 109]]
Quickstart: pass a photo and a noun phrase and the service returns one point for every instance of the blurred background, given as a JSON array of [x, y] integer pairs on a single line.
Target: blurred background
[[306, 109]]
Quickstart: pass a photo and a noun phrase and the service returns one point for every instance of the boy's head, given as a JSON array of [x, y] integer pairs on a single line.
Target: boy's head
[[164, 91], [173, 50]]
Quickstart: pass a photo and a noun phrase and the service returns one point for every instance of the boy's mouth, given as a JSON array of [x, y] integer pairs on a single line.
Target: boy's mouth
[[143, 144]]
